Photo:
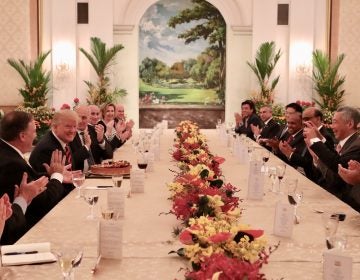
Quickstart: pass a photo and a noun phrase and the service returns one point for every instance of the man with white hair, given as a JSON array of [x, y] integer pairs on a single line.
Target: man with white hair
[[89, 145]]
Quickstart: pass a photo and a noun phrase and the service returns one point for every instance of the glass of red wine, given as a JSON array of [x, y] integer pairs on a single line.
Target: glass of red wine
[[142, 161], [280, 173], [265, 155]]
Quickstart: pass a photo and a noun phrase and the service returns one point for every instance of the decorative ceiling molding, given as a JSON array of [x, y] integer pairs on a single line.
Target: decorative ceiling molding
[[135, 9]]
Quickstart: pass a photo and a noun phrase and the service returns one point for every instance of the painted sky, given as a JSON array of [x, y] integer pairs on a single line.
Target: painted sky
[[158, 40]]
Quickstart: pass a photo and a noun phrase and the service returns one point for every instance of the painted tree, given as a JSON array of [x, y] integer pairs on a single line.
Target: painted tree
[[211, 27]]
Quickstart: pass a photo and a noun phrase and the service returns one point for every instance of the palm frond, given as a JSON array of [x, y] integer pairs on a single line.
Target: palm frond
[[265, 61]]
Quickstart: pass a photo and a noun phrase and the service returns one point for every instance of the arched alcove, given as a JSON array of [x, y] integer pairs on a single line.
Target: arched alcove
[[232, 13], [239, 48]]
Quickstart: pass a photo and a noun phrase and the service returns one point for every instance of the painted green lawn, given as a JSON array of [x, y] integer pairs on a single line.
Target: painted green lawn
[[182, 95]]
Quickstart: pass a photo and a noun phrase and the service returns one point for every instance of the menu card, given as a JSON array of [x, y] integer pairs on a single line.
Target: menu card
[[110, 239], [255, 181], [337, 265], [116, 201], [284, 219], [30, 253], [242, 153], [137, 180]]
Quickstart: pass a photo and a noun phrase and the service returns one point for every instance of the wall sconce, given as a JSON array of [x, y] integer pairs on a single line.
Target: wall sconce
[[303, 69], [62, 70], [63, 60]]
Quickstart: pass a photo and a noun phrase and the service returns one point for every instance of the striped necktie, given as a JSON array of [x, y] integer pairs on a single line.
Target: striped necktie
[[290, 139], [68, 155]]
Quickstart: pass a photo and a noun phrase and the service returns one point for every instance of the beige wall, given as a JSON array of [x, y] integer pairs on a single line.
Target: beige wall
[[349, 44], [14, 43]]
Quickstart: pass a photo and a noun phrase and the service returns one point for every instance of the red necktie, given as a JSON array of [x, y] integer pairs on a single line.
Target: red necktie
[[290, 138], [68, 155]]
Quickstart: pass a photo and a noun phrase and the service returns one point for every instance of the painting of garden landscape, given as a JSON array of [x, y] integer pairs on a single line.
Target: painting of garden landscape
[[182, 46]]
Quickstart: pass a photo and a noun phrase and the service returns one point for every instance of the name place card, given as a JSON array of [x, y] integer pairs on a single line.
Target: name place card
[[255, 181], [110, 239], [337, 265], [284, 219], [116, 201], [137, 180]]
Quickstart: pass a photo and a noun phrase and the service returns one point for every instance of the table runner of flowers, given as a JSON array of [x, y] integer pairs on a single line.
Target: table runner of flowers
[[217, 245]]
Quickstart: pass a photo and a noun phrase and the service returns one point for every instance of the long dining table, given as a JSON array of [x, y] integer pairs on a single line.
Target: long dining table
[[147, 229]]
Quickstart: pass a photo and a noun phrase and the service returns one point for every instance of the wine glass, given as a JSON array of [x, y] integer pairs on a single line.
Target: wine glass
[[91, 198], [78, 179], [142, 161], [272, 177], [265, 155], [295, 196], [280, 173], [117, 180], [68, 258], [331, 223]]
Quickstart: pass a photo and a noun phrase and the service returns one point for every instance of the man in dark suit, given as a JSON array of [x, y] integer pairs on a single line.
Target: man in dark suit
[[351, 176], [63, 131], [290, 109], [270, 129], [314, 117], [247, 118], [18, 131], [89, 144], [293, 150], [344, 126]]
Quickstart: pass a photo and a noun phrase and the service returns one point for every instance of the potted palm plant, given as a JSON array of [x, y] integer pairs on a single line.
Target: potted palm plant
[[263, 67], [327, 82], [35, 90], [101, 59]]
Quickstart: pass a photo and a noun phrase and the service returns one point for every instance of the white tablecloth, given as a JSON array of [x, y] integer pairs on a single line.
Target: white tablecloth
[[147, 235]]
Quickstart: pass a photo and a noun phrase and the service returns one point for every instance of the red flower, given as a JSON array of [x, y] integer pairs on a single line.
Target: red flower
[[65, 106], [76, 100], [219, 160], [186, 238], [254, 232], [220, 237]]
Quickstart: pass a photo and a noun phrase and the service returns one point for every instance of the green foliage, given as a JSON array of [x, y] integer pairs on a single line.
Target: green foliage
[[327, 82], [36, 80], [211, 27], [265, 61], [101, 59]]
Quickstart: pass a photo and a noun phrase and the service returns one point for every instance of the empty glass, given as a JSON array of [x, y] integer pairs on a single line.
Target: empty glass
[[331, 223], [68, 258], [91, 198], [295, 195]]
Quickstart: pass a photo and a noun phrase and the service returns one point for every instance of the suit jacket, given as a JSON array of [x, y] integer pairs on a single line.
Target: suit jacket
[[43, 150], [42, 154], [301, 158], [245, 128], [115, 142], [270, 130], [329, 160], [12, 168], [81, 153], [330, 141], [15, 226]]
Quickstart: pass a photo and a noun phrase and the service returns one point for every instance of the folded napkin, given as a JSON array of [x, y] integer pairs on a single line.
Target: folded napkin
[[31, 253]]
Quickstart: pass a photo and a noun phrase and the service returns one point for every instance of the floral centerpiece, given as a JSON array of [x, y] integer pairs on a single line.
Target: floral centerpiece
[[217, 245]]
